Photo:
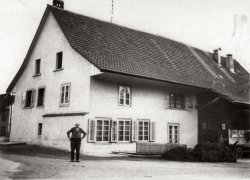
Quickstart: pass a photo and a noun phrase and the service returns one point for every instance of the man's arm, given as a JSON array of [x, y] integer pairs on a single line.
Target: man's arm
[[68, 132]]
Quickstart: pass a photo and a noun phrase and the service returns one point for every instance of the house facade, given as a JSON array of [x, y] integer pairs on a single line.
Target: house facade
[[123, 86]]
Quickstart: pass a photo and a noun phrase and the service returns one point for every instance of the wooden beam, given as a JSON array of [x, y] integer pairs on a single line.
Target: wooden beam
[[209, 103]]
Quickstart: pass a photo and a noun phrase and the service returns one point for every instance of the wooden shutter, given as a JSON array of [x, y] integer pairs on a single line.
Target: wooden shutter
[[91, 130], [167, 101], [152, 132], [190, 102], [23, 100], [114, 128], [134, 133], [33, 98]]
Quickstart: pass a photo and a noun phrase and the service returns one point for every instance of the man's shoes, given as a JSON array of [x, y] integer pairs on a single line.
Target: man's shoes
[[72, 161], [77, 161]]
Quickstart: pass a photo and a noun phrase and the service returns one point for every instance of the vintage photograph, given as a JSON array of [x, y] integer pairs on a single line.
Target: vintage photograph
[[125, 89]]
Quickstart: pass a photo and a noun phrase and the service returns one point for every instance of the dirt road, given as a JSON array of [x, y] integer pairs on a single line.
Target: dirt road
[[51, 164]]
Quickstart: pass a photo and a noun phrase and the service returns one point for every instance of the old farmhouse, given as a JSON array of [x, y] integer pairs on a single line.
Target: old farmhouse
[[123, 86]]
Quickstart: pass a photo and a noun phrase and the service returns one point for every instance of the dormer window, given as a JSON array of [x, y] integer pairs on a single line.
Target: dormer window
[[59, 60], [38, 67]]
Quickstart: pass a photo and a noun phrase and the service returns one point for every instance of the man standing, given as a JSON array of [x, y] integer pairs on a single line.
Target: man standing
[[75, 141]]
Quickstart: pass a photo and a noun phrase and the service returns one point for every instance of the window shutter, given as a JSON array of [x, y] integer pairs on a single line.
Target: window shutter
[[152, 132], [113, 131], [190, 102], [33, 98], [167, 101], [91, 130], [23, 100], [134, 133]]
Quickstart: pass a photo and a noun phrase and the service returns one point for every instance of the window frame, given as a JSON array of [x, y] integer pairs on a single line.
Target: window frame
[[43, 87], [3, 133], [32, 102], [58, 57], [102, 130], [40, 129], [124, 131], [37, 73], [63, 104], [178, 133], [124, 96], [174, 104], [143, 130]]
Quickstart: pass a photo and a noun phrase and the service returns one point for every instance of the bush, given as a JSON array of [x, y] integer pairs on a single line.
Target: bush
[[203, 152], [213, 152], [178, 154]]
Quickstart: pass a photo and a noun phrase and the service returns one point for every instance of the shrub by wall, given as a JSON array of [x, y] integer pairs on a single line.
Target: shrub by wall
[[202, 152]]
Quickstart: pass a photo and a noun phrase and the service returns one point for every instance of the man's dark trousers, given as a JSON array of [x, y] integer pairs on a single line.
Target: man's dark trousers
[[75, 144]]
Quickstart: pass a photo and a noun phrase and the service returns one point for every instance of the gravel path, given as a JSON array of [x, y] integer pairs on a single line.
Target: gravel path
[[56, 166]]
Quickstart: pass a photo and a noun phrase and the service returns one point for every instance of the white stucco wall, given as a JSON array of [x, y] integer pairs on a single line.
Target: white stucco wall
[[147, 103], [76, 71]]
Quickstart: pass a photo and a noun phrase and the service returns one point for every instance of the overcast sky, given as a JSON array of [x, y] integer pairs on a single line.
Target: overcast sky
[[206, 24]]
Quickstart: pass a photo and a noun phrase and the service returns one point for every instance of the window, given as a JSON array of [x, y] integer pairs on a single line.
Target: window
[[5, 115], [29, 98], [65, 92], [124, 95], [102, 130], [177, 101], [37, 68], [59, 59], [143, 130], [40, 128], [204, 125], [40, 97], [124, 130], [173, 133], [2, 131], [223, 126]]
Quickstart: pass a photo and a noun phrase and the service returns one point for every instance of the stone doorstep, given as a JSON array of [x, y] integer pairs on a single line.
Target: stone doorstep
[[12, 143]]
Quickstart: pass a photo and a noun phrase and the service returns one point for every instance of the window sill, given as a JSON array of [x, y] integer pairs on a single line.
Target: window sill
[[124, 106], [103, 142], [28, 107], [40, 107], [36, 75], [64, 105], [58, 70]]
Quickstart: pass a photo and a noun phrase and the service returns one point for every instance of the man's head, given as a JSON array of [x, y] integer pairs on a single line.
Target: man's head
[[77, 124]]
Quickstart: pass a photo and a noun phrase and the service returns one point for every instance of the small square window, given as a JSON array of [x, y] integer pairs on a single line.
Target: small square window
[[40, 97], [65, 94], [177, 101], [204, 125], [28, 101], [38, 67], [40, 128], [223, 126], [59, 60], [2, 131], [124, 95]]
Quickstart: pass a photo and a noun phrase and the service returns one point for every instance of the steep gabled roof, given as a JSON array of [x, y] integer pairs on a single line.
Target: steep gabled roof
[[118, 49]]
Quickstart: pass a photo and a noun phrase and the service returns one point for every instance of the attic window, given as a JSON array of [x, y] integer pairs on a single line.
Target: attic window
[[37, 67], [59, 59]]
